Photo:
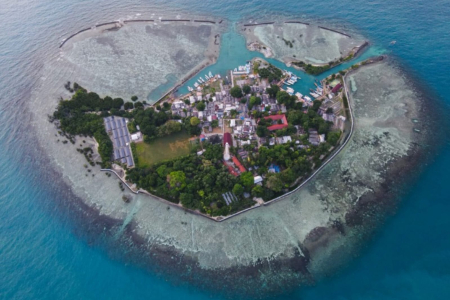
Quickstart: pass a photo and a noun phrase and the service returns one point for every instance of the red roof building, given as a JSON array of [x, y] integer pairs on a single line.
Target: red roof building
[[227, 139], [336, 88], [238, 164], [284, 122], [231, 170]]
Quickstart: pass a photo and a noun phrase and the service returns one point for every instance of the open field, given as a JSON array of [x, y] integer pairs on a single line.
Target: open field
[[164, 148]]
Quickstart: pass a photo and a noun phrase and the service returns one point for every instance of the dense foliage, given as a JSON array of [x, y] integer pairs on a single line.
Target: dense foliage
[[77, 117], [197, 182], [271, 73]]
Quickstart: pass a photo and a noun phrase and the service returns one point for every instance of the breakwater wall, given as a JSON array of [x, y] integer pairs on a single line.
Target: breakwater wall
[[175, 20], [296, 22], [259, 24], [136, 21], [325, 28], [204, 21], [130, 21]]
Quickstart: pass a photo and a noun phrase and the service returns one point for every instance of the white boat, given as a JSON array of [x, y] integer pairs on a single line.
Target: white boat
[[287, 83], [190, 89], [299, 95], [314, 95], [291, 81], [290, 90], [307, 98], [210, 74], [196, 84], [207, 77], [218, 76]]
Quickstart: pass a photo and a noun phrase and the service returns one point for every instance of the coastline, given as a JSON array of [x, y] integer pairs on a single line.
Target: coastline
[[260, 229]]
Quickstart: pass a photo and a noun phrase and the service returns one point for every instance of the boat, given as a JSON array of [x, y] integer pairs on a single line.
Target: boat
[[287, 83], [218, 76], [190, 89], [291, 81], [196, 85], [314, 95], [307, 98], [392, 43], [210, 74], [299, 95]]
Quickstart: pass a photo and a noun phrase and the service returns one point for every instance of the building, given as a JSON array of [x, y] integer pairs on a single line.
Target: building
[[227, 142], [276, 118], [336, 88], [257, 179], [238, 164]]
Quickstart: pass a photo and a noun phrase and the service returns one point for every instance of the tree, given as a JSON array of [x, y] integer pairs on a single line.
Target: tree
[[128, 105], [188, 200], [215, 123], [262, 131], [274, 183], [177, 180], [246, 89], [238, 189], [273, 90], [333, 137], [247, 179], [201, 106], [236, 92], [254, 101], [134, 98], [195, 121], [117, 103], [257, 191]]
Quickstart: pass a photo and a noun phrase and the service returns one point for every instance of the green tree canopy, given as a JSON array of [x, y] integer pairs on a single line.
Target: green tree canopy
[[247, 179], [201, 106], [236, 92], [238, 189], [195, 121], [274, 183], [177, 180], [246, 89]]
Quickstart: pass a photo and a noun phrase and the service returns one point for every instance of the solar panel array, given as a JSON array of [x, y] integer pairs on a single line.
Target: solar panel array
[[117, 127]]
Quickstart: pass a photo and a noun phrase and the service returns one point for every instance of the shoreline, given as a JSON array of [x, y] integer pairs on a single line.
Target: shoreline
[[163, 253], [160, 258]]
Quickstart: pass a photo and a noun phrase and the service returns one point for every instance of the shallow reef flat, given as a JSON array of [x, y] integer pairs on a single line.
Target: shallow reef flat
[[290, 242], [284, 244], [137, 58], [304, 42]]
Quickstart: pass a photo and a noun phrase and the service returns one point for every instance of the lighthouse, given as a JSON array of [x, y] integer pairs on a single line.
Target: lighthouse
[[227, 143]]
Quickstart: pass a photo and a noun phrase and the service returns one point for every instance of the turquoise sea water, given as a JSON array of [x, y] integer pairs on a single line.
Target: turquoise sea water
[[51, 249]]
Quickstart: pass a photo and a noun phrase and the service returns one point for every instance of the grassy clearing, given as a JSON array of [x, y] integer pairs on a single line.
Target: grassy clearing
[[161, 149]]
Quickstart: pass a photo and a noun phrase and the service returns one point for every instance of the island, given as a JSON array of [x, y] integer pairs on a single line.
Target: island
[[306, 231], [229, 145]]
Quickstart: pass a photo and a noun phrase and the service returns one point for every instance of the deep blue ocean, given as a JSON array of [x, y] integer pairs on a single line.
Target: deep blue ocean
[[50, 250]]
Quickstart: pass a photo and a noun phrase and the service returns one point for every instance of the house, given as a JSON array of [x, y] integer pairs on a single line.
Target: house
[[257, 179], [238, 164], [276, 118]]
